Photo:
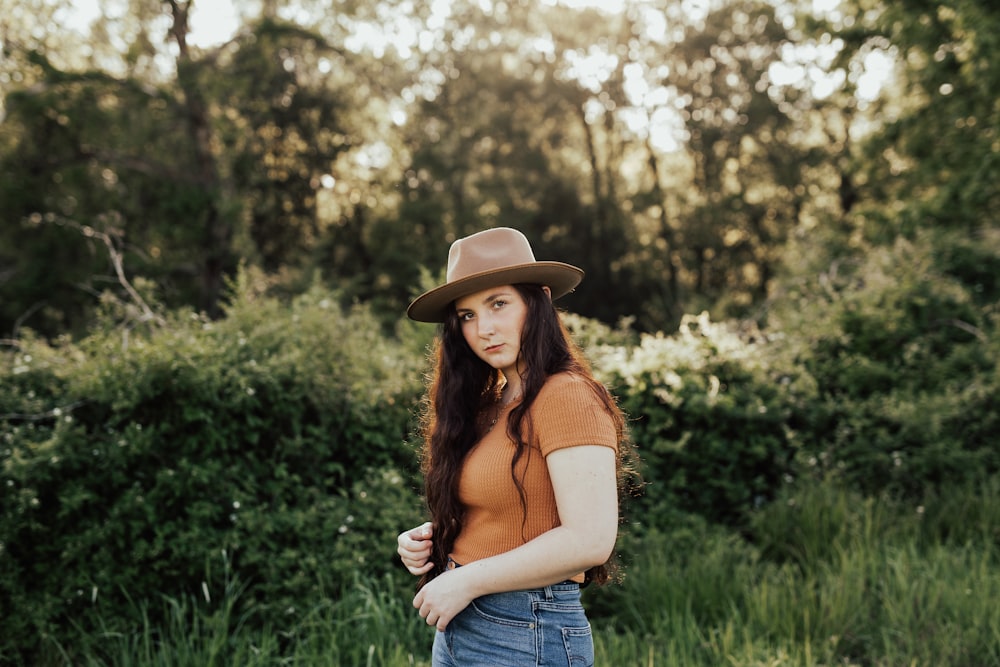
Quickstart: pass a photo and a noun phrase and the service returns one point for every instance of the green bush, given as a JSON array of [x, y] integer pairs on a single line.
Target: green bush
[[870, 584], [279, 439], [277, 435], [709, 415], [906, 363]]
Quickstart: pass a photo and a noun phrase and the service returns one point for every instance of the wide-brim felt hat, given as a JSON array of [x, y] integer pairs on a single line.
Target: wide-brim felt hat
[[498, 256]]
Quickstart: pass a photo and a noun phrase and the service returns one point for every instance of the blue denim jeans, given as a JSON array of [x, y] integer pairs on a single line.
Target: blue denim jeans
[[545, 627]]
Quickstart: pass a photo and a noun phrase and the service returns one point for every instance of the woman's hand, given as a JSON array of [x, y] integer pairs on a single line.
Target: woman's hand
[[441, 599], [414, 548]]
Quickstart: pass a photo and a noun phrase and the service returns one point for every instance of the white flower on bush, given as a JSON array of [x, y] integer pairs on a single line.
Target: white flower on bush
[[660, 363]]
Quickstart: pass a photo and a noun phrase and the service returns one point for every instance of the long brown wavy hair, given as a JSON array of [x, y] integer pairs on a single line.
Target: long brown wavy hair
[[462, 386]]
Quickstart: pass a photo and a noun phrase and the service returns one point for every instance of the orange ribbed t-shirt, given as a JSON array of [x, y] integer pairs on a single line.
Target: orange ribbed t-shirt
[[566, 413]]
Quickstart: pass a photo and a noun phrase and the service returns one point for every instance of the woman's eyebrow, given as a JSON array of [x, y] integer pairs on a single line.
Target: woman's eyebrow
[[486, 300], [494, 297]]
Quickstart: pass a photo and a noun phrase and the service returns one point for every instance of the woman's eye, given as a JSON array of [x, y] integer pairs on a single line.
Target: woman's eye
[[465, 317], [499, 303]]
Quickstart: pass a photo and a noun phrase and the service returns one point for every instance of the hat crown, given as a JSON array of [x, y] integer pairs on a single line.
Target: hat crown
[[488, 250]]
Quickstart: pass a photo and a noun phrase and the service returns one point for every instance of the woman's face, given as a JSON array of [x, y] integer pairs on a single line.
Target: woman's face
[[492, 320]]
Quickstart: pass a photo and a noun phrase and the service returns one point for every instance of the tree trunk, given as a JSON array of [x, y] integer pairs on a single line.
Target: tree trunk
[[218, 254], [671, 292]]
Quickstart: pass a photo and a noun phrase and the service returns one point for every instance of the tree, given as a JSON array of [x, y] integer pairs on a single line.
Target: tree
[[123, 153], [649, 146], [219, 159], [892, 306]]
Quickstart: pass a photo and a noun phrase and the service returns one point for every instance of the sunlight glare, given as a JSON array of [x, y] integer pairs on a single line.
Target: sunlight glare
[[591, 69], [878, 66], [607, 6], [212, 23], [81, 13], [827, 8]]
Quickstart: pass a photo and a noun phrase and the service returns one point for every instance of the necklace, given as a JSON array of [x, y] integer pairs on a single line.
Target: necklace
[[499, 408]]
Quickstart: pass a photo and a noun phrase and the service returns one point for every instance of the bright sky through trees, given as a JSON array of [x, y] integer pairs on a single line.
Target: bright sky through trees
[[803, 65], [212, 21], [215, 21]]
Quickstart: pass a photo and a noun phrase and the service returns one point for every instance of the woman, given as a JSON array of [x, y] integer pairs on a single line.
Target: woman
[[522, 464]]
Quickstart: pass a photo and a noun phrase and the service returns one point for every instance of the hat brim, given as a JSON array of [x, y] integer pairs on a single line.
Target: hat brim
[[432, 306]]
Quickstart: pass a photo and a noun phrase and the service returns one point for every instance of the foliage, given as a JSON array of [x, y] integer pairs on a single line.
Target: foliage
[[709, 415], [883, 374], [867, 588], [648, 145], [906, 363], [937, 152], [277, 436], [857, 239], [826, 576], [221, 163], [891, 306]]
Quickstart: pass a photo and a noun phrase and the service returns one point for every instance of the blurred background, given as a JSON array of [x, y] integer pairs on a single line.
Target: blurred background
[[213, 215], [689, 155]]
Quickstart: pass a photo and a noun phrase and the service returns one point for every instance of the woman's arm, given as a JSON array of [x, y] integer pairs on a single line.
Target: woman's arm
[[586, 492]]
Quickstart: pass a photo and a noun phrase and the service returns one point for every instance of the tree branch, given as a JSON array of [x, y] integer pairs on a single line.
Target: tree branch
[[964, 326], [25, 315], [146, 314]]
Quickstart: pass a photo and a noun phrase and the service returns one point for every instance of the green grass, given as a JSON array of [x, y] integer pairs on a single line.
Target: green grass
[[822, 578]]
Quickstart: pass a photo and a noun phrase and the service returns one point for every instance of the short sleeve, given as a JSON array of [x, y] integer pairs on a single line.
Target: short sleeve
[[568, 413]]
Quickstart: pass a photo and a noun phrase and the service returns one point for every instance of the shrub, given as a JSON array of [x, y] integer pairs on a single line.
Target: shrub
[[906, 361], [709, 416], [277, 435]]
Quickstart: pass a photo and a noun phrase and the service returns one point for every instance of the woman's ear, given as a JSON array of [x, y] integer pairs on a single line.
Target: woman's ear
[[548, 292]]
